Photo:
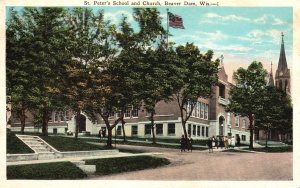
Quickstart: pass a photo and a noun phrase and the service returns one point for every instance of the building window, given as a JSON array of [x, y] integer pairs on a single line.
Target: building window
[[228, 118], [198, 109], [194, 110], [189, 129], [244, 124], [206, 111], [148, 129], [194, 130], [206, 131], [237, 121], [203, 131], [135, 112], [119, 128], [54, 130], [243, 137], [56, 115], [111, 115], [202, 110], [62, 116], [50, 116], [159, 129], [127, 113], [118, 113], [198, 130], [134, 130], [222, 91], [171, 128]]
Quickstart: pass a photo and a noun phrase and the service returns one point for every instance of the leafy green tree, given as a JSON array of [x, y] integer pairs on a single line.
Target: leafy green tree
[[246, 95], [90, 51], [196, 74], [276, 112], [47, 54], [18, 67]]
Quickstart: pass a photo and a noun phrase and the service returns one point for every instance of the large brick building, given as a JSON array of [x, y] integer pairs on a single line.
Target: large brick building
[[208, 118]]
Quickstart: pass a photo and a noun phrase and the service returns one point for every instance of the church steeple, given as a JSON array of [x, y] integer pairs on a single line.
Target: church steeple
[[282, 65], [282, 76]]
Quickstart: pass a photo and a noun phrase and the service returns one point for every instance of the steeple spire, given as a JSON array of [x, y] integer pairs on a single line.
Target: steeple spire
[[282, 65]]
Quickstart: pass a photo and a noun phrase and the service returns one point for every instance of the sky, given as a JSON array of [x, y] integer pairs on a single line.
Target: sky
[[240, 34]]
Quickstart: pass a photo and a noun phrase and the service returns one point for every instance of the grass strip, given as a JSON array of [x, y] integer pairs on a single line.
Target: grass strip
[[126, 164], [70, 144], [45, 171], [15, 146]]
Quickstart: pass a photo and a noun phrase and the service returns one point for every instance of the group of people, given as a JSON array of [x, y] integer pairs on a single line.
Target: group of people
[[223, 142], [102, 133], [186, 143]]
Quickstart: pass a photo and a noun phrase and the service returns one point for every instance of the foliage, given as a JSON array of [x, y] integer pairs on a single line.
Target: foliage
[[37, 36], [195, 73], [126, 164], [45, 171], [15, 146], [276, 111], [246, 95]]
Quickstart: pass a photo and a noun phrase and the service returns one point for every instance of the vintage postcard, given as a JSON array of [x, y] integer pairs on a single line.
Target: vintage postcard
[[150, 93]]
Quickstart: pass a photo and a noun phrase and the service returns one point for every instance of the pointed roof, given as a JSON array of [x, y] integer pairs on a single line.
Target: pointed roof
[[282, 64], [270, 81]]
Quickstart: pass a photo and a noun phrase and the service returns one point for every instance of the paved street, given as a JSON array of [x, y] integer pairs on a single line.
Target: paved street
[[201, 165]]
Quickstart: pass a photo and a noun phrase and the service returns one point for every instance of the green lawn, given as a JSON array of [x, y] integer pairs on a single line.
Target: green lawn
[[45, 171], [70, 144], [15, 146], [275, 149], [126, 164]]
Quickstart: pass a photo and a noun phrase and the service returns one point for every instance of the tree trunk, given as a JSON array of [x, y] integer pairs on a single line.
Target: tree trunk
[[251, 132], [22, 119], [152, 127], [109, 137], [267, 136], [45, 120], [123, 128], [77, 123]]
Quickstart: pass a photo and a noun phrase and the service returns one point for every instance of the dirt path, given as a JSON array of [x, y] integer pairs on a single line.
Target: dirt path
[[201, 165]]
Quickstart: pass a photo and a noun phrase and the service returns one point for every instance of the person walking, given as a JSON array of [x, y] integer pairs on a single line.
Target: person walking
[[100, 134], [217, 142], [226, 142], [222, 142], [182, 143], [213, 141], [190, 143], [238, 141], [209, 144]]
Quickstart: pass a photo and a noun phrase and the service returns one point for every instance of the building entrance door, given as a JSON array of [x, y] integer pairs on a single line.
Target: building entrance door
[[221, 125]]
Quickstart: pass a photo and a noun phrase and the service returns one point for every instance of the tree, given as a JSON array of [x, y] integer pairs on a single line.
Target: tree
[[18, 67], [246, 95], [47, 31], [276, 112], [195, 73], [90, 50]]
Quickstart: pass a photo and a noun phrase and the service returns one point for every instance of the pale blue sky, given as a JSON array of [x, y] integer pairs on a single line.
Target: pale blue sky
[[241, 34]]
